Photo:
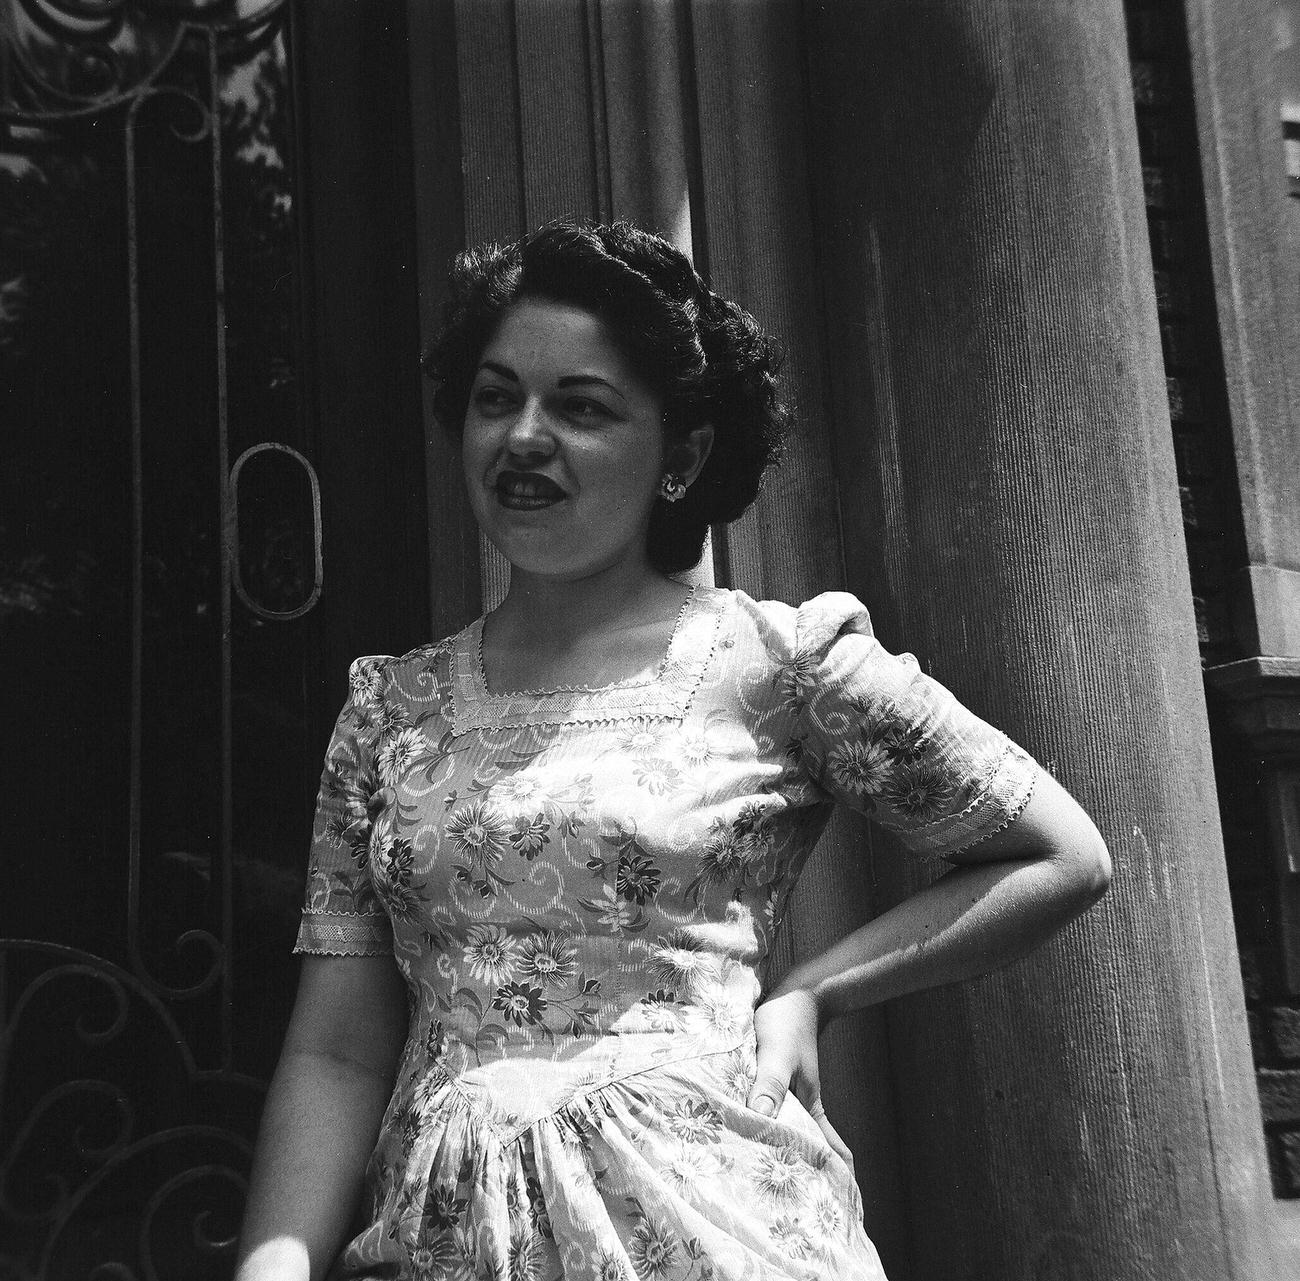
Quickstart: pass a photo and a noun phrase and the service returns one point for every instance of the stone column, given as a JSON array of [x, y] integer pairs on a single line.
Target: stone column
[[647, 116], [1010, 512]]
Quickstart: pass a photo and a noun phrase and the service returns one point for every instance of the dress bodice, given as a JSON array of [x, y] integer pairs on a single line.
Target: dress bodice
[[582, 886]]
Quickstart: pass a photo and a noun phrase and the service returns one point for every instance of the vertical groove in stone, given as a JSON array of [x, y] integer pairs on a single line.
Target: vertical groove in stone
[[755, 206], [489, 110], [599, 138], [556, 110], [643, 92], [1015, 520]]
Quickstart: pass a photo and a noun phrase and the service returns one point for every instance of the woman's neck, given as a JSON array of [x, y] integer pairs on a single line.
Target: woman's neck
[[592, 631], [598, 603]]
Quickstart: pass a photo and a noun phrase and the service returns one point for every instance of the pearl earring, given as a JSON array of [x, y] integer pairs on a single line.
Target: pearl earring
[[672, 488]]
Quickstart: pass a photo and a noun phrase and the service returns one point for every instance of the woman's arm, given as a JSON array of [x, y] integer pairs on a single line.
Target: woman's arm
[[1010, 893], [322, 1115]]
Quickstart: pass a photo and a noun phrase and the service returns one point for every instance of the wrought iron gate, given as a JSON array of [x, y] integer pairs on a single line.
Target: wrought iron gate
[[160, 565]]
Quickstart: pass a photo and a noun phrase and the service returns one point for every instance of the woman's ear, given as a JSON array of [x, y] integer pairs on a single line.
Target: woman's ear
[[688, 455]]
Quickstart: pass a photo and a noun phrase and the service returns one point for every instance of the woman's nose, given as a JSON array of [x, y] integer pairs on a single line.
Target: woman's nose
[[530, 432]]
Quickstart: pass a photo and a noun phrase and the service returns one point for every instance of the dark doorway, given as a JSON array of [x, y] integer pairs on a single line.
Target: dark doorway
[[214, 498]]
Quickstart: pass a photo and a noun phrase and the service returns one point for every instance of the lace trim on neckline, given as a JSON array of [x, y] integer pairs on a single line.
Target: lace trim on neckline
[[631, 682], [665, 695]]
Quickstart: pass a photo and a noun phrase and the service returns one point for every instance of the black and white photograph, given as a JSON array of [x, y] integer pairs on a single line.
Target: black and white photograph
[[650, 640]]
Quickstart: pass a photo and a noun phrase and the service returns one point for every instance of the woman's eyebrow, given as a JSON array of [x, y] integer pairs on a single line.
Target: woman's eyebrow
[[573, 380], [503, 371]]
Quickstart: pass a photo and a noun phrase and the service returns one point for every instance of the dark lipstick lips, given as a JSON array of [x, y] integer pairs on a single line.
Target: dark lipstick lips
[[527, 489]]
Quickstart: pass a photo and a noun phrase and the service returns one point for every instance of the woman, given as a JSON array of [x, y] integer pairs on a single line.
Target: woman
[[575, 826]]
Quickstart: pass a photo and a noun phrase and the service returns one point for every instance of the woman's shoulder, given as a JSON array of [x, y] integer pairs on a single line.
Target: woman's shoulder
[[372, 675], [789, 632]]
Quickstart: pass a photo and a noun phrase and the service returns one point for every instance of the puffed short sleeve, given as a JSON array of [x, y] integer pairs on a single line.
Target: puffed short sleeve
[[880, 735], [341, 915]]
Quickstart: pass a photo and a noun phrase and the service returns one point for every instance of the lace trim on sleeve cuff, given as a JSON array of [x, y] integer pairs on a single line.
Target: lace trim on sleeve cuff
[[344, 934]]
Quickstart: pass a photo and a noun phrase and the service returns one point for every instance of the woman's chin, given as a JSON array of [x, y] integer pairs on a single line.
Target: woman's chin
[[530, 559]]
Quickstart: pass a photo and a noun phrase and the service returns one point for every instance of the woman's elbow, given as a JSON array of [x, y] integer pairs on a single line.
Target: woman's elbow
[[1085, 868]]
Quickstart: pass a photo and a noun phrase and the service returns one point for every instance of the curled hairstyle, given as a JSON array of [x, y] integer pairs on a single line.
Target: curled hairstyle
[[705, 358]]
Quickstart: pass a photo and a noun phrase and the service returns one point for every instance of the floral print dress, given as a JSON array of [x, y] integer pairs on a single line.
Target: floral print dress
[[581, 888]]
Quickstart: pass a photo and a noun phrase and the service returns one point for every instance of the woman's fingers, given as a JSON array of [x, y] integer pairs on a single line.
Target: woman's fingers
[[770, 1087], [769, 1093], [785, 1031], [838, 1146]]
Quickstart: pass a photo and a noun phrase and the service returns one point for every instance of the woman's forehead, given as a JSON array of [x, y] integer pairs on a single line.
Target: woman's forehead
[[539, 338]]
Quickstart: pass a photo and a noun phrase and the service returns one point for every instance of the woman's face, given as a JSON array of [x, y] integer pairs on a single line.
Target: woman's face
[[563, 445]]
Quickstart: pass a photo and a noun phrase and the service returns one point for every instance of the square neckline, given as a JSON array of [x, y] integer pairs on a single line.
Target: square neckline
[[664, 694]]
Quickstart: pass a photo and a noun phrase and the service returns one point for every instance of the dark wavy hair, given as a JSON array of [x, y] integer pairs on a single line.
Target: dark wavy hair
[[705, 358]]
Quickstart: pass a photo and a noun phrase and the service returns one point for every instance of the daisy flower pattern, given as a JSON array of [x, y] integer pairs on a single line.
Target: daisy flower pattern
[[718, 1014], [658, 776], [905, 741], [695, 1121], [394, 864], [478, 831], [548, 958], [580, 889], [390, 718], [921, 790], [780, 1174], [790, 1234], [679, 961], [736, 1074], [399, 752], [799, 676], [520, 789], [366, 680], [861, 767], [660, 1009], [653, 1250], [639, 737], [520, 1002], [526, 1256], [827, 1215], [689, 1167], [724, 855], [638, 878], [492, 955], [608, 1268]]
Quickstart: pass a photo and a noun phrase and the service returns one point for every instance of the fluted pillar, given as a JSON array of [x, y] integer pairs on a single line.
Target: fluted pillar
[[1010, 512]]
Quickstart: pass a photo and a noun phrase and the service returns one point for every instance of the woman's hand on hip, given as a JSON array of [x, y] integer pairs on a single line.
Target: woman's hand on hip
[[786, 1026]]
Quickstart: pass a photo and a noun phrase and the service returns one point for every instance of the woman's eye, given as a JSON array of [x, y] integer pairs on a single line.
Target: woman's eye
[[489, 400], [584, 410]]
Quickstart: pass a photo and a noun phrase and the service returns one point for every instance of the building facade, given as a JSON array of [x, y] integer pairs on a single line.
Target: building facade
[[1035, 267]]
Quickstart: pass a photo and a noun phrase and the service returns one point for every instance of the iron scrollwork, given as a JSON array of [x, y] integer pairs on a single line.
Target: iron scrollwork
[[87, 58], [93, 1130]]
